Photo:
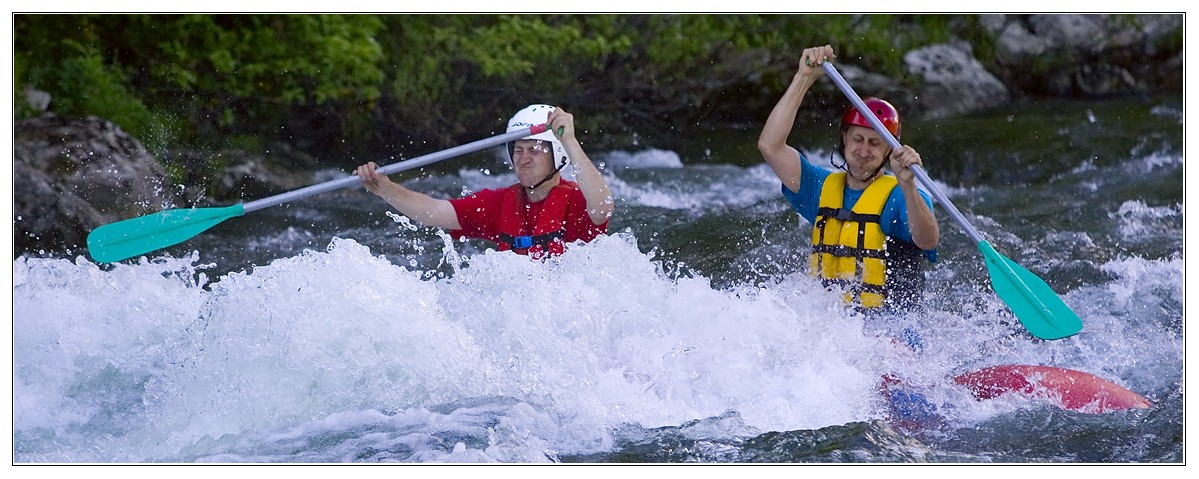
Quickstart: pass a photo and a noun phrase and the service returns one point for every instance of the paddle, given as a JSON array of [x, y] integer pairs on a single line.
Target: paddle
[[128, 238], [1041, 310]]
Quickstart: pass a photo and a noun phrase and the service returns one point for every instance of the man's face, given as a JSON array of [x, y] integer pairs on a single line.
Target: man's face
[[864, 151], [532, 160]]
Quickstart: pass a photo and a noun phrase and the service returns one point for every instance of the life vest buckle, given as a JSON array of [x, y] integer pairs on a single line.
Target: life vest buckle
[[522, 242], [844, 214]]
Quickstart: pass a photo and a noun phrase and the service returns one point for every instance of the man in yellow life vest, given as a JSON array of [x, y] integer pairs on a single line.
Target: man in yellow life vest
[[540, 214], [870, 228]]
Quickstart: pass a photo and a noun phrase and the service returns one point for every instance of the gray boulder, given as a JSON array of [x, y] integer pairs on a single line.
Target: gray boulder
[[70, 176], [1087, 55], [832, 103], [953, 82]]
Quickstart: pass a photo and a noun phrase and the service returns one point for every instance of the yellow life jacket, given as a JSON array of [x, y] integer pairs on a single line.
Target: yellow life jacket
[[848, 245]]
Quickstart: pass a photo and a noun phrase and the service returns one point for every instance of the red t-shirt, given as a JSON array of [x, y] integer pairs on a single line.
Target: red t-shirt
[[479, 214]]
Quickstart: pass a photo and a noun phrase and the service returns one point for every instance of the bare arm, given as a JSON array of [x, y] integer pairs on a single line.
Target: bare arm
[[926, 233], [772, 143], [417, 206], [595, 189]]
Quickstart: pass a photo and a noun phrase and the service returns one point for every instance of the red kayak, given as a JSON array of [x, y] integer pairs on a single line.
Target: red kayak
[[1067, 388]]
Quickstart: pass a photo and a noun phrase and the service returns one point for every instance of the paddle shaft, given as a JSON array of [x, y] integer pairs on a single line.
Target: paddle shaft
[[393, 168], [894, 143]]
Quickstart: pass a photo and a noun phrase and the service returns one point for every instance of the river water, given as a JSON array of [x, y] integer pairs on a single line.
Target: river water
[[332, 330]]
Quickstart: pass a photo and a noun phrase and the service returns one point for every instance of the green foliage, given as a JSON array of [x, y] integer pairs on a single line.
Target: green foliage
[[269, 75], [340, 86], [21, 108], [455, 75], [970, 29], [282, 59], [219, 74], [82, 84]]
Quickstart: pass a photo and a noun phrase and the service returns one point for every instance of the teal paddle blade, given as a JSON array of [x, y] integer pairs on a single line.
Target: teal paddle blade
[[136, 236], [1040, 309]]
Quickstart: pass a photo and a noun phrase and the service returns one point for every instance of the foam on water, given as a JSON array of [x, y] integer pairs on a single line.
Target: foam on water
[[342, 355], [649, 158], [152, 362]]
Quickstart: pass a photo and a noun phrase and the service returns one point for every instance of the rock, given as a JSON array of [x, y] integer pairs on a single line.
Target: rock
[[36, 99], [71, 176], [231, 176], [873, 84], [994, 23], [953, 82], [1084, 55], [867, 84], [1071, 31], [254, 176], [1017, 45]]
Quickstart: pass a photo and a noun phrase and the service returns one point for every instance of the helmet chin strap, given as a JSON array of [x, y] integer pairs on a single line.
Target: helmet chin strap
[[872, 174], [845, 165], [547, 178]]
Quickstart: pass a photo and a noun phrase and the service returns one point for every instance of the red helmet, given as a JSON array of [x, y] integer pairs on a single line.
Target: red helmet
[[883, 110]]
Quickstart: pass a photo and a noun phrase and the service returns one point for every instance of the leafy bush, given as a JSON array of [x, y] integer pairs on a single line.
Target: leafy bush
[[337, 86], [83, 84]]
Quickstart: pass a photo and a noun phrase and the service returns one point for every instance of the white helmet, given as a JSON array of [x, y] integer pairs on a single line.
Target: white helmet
[[534, 115]]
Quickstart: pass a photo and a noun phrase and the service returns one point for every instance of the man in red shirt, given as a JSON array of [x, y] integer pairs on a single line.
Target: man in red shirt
[[537, 216]]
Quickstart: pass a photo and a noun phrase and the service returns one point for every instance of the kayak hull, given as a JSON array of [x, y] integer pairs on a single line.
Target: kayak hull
[[1067, 388]]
